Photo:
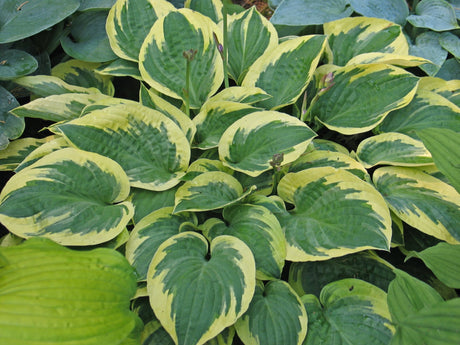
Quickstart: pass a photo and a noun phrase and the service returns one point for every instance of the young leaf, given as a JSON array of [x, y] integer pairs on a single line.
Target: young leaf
[[285, 72], [130, 21], [344, 307], [162, 63], [420, 200], [196, 294], [53, 295], [56, 198], [253, 143], [275, 316], [336, 213]]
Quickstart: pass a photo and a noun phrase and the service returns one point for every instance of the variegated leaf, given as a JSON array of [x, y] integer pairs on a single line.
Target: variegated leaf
[[240, 94], [120, 68], [147, 201], [210, 8], [422, 201], [17, 150], [336, 213], [388, 58], [195, 293], [262, 140], [150, 147], [46, 85], [71, 196]]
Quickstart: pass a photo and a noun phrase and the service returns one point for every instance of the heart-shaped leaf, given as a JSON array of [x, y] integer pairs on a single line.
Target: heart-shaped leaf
[[16, 63]]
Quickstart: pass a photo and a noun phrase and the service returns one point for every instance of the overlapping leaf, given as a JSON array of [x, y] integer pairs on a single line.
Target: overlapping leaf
[[17, 151], [150, 147], [11, 126], [16, 63], [71, 196], [196, 294], [336, 213]]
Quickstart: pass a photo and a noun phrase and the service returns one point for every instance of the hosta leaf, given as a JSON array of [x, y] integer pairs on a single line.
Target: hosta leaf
[[420, 314], [82, 74], [437, 15], [310, 12], [348, 309], [146, 201], [260, 230], [442, 259], [428, 46], [327, 145], [50, 144], [16, 63], [17, 150], [388, 58], [149, 233], [240, 94], [311, 277], [88, 39], [443, 144], [23, 19], [196, 294], [150, 147], [427, 110], [210, 8], [394, 11], [53, 295], [214, 118], [95, 4], [322, 158], [11, 126], [336, 213], [152, 100], [130, 21], [451, 43], [46, 85], [55, 198], [393, 149], [275, 316], [349, 37], [162, 63], [253, 143], [250, 35], [285, 72], [208, 191], [422, 201], [120, 68], [360, 97], [56, 108]]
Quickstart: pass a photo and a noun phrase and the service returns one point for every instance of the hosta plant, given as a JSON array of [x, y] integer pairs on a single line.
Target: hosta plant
[[259, 190]]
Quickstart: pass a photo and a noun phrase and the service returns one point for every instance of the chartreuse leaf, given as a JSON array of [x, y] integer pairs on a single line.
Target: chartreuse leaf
[[23, 19], [17, 150], [393, 10], [150, 232], [427, 110], [420, 314], [82, 74], [196, 294], [16, 63], [210, 8], [208, 191], [349, 37], [368, 92], [253, 143], [443, 144], [250, 35], [310, 12], [336, 213], [437, 15], [11, 126], [348, 310], [322, 158], [285, 72], [150, 147], [130, 21], [260, 230], [311, 277], [56, 198], [152, 100], [214, 118], [442, 259], [162, 63], [56, 108], [241, 94], [54, 295], [422, 201], [87, 40], [47, 85], [275, 316], [393, 149]]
